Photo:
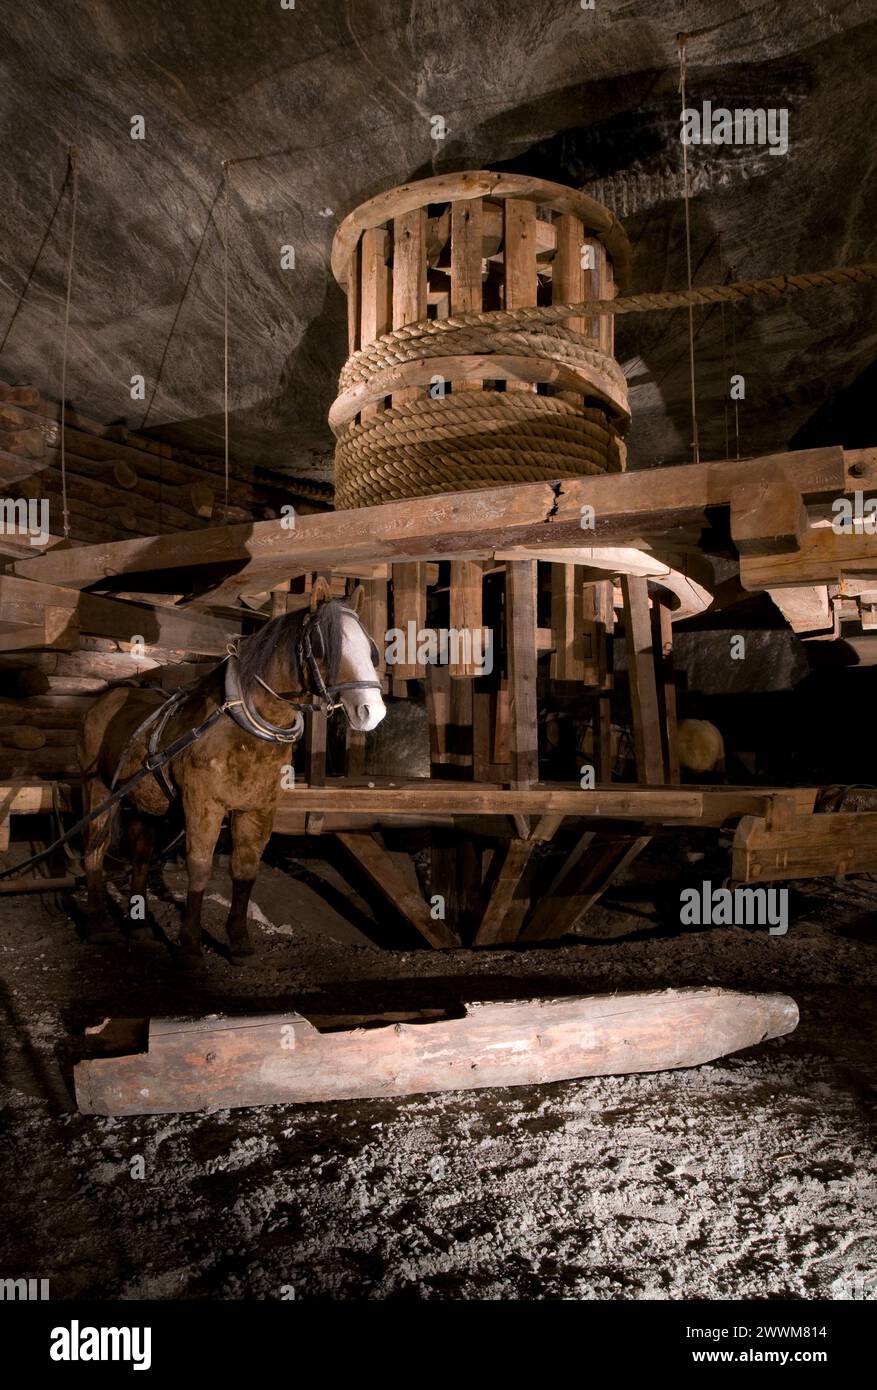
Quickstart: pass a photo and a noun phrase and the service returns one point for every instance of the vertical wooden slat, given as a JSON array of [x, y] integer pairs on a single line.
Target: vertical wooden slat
[[409, 605], [521, 656], [353, 302], [567, 623], [374, 615], [606, 289], [375, 306], [641, 676], [662, 639], [409, 278], [519, 261], [466, 610], [467, 238], [569, 277]]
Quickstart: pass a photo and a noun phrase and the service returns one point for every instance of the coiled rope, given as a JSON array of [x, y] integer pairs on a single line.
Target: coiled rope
[[468, 440]]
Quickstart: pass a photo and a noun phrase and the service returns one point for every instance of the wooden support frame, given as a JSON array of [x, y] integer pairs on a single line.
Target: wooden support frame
[[380, 867], [641, 677]]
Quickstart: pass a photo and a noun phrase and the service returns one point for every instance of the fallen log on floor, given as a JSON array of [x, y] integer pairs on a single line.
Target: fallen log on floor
[[219, 1062]]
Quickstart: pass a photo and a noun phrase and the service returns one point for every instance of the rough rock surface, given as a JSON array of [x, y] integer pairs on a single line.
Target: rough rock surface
[[325, 105], [749, 1178]]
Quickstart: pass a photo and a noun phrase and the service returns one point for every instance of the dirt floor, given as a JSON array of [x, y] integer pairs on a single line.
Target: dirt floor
[[752, 1177]]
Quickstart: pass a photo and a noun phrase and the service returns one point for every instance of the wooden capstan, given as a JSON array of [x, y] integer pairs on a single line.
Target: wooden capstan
[[477, 393]]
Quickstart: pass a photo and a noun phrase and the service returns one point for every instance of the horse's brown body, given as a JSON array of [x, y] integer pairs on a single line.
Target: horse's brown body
[[228, 771]]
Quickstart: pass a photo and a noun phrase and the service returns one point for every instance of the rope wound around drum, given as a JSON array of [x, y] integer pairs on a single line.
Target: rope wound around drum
[[492, 397]]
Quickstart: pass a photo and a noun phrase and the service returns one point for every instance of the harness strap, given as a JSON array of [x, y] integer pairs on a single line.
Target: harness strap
[[173, 751]]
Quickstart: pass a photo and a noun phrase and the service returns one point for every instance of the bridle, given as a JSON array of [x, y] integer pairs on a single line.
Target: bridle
[[324, 699]]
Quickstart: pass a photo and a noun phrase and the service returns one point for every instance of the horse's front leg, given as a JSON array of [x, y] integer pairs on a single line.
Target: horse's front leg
[[203, 824], [250, 833], [97, 838]]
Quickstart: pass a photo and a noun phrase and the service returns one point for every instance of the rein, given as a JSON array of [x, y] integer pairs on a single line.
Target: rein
[[235, 706]]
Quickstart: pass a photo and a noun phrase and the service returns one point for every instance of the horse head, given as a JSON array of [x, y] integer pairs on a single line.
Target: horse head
[[347, 656]]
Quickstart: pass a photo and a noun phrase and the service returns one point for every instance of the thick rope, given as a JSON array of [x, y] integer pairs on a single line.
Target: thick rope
[[555, 344], [470, 439], [772, 288]]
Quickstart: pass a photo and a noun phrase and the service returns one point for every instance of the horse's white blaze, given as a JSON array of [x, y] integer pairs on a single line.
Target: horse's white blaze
[[364, 704]]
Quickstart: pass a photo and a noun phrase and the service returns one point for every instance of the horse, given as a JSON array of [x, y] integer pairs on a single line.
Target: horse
[[300, 664]]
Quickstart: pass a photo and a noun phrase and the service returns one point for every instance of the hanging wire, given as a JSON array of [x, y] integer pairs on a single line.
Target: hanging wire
[[226, 176], [733, 274], [73, 155], [681, 40]]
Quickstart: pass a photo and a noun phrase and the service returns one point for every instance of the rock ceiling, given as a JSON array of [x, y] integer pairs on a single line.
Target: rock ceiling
[[330, 102]]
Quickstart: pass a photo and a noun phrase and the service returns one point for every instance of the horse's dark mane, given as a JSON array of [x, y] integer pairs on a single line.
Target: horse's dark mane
[[282, 634]]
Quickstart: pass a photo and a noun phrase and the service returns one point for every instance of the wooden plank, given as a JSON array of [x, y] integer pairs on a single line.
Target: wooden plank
[[570, 279], [662, 641], [466, 613], [521, 657], [353, 300], [506, 901], [627, 506], [220, 1062], [568, 623], [822, 845], [825, 557], [768, 517], [467, 235], [375, 295], [409, 278], [384, 873], [519, 263], [409, 607], [561, 911], [641, 676]]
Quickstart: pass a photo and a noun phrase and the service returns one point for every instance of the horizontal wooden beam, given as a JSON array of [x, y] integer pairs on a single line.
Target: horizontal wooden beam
[[625, 507], [218, 1062]]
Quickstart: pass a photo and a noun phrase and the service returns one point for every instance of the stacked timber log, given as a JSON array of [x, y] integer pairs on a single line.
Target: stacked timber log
[[60, 648], [122, 484]]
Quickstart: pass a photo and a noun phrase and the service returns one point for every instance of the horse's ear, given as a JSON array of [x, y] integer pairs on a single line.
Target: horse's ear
[[356, 599], [320, 593]]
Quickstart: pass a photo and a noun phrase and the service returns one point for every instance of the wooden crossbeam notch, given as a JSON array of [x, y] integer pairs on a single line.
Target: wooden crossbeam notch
[[768, 516]]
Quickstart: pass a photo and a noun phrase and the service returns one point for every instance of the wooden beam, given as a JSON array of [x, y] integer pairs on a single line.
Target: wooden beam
[[506, 902], [823, 845], [641, 677], [521, 657], [384, 873], [409, 278], [662, 642], [825, 557], [768, 516], [467, 235], [627, 506], [586, 882], [568, 623], [219, 1062]]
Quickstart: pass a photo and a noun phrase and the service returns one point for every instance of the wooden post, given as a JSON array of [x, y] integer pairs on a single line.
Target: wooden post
[[466, 612], [568, 623], [662, 640], [409, 606], [522, 667], [641, 677]]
